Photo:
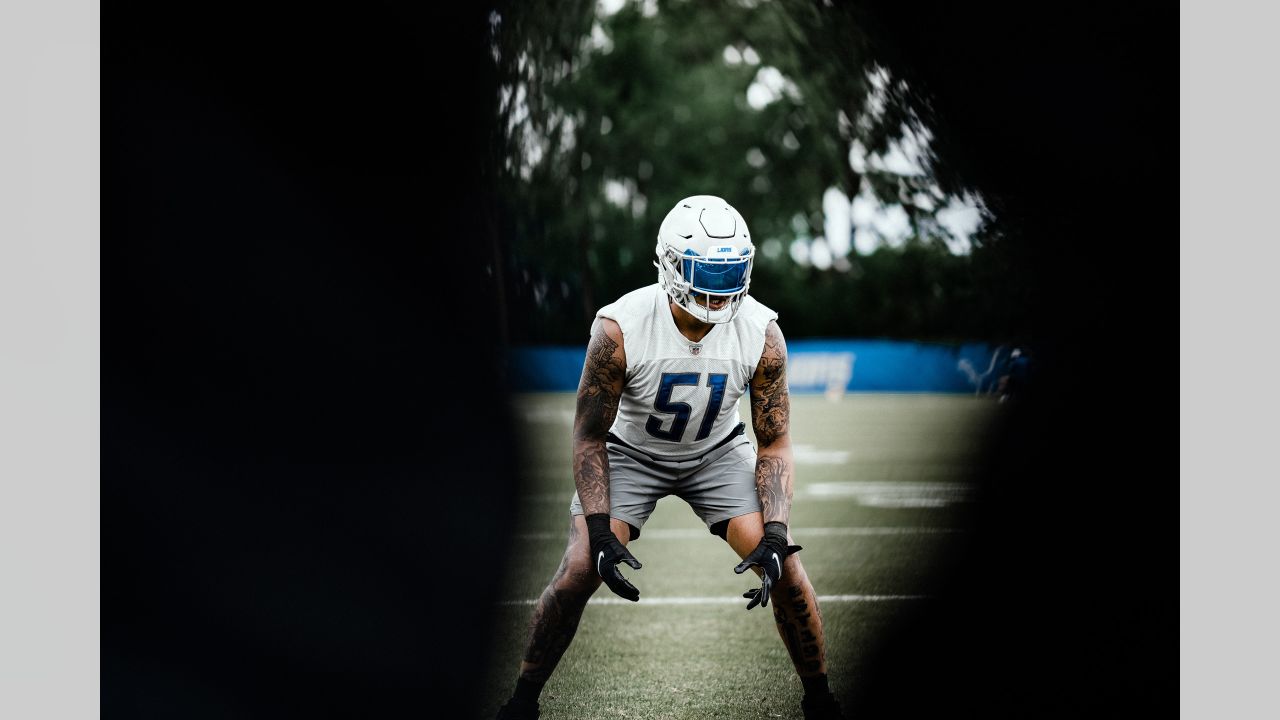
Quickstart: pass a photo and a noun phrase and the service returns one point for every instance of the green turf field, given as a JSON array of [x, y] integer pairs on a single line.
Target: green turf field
[[881, 488]]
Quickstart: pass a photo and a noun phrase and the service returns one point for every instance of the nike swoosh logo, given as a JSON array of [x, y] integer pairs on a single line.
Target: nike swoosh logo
[[779, 562], [598, 559]]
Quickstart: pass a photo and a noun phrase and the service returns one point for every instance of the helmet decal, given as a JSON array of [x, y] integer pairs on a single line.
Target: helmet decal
[[717, 223]]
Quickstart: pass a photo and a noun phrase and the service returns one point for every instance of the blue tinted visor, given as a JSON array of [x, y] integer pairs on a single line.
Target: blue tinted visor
[[715, 276]]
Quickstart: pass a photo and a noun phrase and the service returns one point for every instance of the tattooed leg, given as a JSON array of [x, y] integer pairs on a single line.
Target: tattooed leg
[[795, 610], [794, 603], [555, 618]]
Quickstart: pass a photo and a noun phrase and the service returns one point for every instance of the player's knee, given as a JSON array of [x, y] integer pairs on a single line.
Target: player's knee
[[579, 577]]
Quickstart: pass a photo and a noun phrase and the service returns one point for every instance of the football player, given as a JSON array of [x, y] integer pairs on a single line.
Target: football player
[[657, 414]]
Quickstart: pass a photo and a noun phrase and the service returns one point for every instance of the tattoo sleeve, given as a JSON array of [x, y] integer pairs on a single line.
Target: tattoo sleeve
[[598, 394], [771, 419]]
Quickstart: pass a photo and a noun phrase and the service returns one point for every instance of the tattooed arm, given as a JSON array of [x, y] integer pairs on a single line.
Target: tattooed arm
[[771, 419], [598, 393]]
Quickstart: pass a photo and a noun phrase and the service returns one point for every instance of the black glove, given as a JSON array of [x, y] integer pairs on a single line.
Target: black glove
[[770, 554], [606, 553]]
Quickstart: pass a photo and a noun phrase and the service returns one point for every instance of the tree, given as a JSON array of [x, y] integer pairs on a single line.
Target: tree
[[606, 119]]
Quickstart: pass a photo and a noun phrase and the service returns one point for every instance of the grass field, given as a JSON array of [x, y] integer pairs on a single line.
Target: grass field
[[881, 489]]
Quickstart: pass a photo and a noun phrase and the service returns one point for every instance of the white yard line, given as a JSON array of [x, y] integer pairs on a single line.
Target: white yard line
[[802, 532], [883, 494], [724, 600], [800, 496]]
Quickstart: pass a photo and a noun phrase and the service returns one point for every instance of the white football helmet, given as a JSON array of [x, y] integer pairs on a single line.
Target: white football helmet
[[704, 249]]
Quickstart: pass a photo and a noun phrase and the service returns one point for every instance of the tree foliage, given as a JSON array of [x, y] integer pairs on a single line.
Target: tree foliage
[[608, 116]]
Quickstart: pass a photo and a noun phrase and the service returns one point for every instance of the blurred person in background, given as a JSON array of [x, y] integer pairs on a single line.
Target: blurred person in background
[[1016, 376]]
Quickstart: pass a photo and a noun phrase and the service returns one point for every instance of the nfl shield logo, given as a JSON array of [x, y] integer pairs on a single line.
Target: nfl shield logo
[[695, 349]]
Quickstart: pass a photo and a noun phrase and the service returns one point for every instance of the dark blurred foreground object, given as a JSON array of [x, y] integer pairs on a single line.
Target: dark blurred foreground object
[[1066, 603], [295, 413]]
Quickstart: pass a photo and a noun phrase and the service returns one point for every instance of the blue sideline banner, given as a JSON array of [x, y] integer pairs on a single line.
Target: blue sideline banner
[[815, 366]]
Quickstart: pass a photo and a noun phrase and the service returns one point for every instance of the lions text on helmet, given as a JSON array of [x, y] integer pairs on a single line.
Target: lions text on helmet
[[705, 257]]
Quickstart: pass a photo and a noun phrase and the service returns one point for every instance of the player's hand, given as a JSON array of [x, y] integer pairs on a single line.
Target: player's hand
[[769, 556], [606, 553]]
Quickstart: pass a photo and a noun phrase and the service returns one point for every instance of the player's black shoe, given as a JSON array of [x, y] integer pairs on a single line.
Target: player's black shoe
[[821, 706], [518, 711]]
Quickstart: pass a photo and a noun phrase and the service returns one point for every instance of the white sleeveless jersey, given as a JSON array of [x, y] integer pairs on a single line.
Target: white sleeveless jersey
[[681, 397]]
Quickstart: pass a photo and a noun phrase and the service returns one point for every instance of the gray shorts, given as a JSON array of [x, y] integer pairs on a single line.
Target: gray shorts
[[718, 486]]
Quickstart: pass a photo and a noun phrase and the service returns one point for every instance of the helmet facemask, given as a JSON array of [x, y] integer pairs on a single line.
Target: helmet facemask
[[687, 276]]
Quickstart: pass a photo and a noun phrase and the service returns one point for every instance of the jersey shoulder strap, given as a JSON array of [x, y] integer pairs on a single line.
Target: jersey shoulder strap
[[634, 313], [752, 320]]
